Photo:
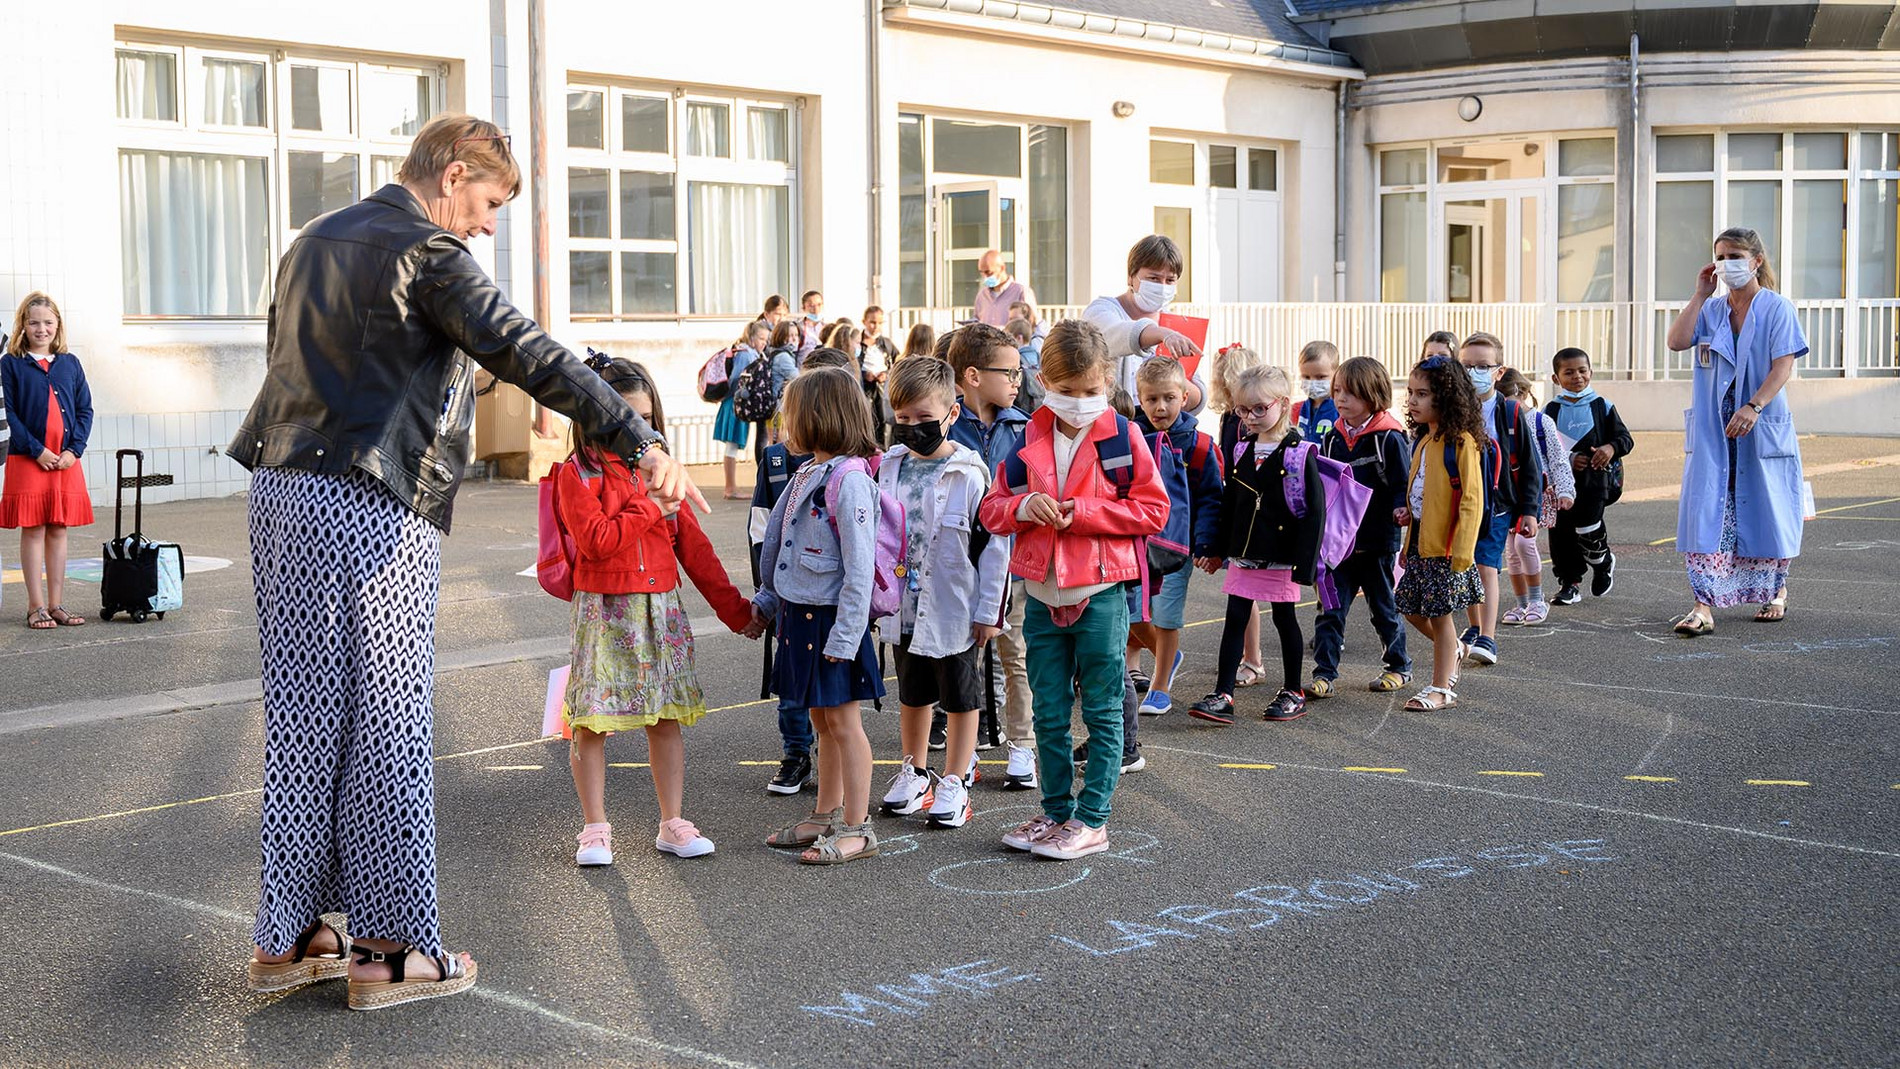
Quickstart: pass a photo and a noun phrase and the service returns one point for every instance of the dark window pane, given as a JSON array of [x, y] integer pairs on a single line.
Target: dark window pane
[[646, 206], [1223, 167], [590, 283], [587, 202], [320, 182], [977, 148], [643, 125]]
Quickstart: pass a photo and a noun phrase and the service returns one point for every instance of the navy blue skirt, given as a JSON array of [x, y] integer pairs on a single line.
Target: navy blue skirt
[[801, 675]]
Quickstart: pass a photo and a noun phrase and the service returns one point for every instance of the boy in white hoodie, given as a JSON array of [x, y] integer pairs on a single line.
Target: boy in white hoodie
[[954, 573]]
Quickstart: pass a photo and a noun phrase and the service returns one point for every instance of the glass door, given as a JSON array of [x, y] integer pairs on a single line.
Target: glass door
[[1490, 249], [969, 224]]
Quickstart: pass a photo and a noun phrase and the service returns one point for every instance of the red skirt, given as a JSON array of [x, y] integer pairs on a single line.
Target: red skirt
[[35, 497]]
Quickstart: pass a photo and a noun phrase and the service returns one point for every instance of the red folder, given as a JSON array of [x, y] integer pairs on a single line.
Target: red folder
[[1196, 330]]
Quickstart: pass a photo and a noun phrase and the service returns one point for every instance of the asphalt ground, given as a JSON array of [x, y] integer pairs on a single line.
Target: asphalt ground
[[1622, 847]]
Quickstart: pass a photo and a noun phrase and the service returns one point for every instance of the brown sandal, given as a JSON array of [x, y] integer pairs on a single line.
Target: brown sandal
[[40, 620], [303, 966], [788, 837], [65, 619], [453, 976]]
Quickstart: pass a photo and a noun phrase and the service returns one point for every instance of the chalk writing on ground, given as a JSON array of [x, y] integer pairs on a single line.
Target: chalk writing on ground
[[1249, 909]]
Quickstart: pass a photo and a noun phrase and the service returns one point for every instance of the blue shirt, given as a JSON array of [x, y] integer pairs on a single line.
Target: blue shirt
[[1574, 418], [1317, 419]]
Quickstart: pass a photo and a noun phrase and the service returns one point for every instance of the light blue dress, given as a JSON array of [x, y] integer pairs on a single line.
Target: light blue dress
[[727, 426], [1739, 516]]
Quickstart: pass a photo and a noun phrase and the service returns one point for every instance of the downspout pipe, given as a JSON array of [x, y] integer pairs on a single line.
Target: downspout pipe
[[538, 179], [1339, 192], [874, 99], [1636, 199]]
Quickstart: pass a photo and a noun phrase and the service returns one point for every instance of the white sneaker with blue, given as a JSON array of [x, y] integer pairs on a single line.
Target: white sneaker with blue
[[1156, 702]]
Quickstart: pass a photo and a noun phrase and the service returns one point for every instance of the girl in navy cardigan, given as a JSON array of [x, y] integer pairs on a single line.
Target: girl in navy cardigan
[[49, 414]]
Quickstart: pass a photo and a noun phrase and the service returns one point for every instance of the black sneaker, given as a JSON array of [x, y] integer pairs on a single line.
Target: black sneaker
[[988, 735], [937, 737], [794, 774], [1603, 576], [1141, 679], [1215, 708], [1568, 595], [1132, 761], [1287, 705], [1081, 755]]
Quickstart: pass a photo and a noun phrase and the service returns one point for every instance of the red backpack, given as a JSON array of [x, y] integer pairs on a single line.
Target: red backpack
[[554, 563]]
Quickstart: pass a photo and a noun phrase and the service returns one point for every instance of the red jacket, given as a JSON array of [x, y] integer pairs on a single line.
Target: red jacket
[[625, 546], [1099, 545]]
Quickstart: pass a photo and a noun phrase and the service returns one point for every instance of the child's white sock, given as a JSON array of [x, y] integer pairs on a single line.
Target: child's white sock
[[1536, 593], [1523, 601]]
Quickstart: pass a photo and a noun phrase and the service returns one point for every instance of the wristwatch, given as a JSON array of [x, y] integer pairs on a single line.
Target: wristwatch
[[1759, 409]]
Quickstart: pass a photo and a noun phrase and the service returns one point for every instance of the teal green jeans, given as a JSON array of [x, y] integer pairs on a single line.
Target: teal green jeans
[[1090, 650]]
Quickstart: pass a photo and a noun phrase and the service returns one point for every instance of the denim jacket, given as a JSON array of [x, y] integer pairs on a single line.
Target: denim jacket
[[805, 562], [954, 592]]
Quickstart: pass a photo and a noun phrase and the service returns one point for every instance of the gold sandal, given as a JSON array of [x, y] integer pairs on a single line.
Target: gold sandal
[[827, 847], [1694, 625], [303, 966], [1774, 611], [788, 838]]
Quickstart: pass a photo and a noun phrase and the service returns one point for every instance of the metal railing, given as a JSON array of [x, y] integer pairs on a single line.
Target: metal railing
[[1846, 338]]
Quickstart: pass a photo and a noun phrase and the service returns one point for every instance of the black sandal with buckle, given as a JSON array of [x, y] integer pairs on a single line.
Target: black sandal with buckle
[[453, 976], [303, 966]]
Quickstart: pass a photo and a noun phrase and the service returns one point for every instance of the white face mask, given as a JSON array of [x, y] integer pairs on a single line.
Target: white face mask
[[1735, 273], [1153, 296], [1076, 411], [1317, 389]]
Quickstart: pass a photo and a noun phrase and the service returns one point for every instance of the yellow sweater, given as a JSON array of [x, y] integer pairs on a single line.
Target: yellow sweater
[[1452, 519]]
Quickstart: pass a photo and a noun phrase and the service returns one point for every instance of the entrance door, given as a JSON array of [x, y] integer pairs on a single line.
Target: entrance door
[[1491, 250], [973, 218]]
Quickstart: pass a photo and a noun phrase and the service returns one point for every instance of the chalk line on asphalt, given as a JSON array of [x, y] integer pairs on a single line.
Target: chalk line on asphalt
[[489, 993], [1609, 810]]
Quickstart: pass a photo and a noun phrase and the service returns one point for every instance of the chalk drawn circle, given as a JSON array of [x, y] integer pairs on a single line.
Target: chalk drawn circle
[[939, 877]]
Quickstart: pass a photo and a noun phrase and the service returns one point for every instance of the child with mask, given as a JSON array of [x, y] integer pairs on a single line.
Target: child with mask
[[1513, 486], [1315, 413], [1600, 442]]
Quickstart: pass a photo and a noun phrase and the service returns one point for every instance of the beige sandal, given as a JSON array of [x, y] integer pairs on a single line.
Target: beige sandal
[[453, 977], [303, 966], [827, 847], [788, 838], [40, 620]]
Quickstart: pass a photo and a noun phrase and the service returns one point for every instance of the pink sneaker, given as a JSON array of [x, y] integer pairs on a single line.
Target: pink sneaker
[[1028, 835], [1072, 840], [596, 845], [1537, 612], [680, 838]]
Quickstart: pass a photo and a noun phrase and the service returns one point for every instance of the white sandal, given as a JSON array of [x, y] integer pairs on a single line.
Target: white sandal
[[1424, 702]]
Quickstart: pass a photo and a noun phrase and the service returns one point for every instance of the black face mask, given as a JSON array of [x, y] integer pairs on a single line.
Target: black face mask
[[920, 438]]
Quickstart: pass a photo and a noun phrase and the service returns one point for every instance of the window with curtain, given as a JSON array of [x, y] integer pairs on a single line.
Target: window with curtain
[[697, 222], [216, 177]]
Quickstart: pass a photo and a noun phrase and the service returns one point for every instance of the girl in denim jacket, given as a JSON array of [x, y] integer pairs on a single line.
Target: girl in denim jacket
[[816, 569]]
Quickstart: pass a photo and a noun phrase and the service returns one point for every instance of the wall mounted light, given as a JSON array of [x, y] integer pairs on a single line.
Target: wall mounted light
[[1122, 109], [1470, 108]]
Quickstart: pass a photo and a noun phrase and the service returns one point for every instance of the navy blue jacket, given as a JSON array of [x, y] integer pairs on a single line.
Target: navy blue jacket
[[1204, 486], [994, 443], [24, 385]]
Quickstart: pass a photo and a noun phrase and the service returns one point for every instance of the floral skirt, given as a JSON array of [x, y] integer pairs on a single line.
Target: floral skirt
[[632, 663], [1722, 578], [1430, 588]]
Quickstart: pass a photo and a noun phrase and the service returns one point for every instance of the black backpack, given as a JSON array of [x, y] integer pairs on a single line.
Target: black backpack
[[1613, 475], [753, 398]]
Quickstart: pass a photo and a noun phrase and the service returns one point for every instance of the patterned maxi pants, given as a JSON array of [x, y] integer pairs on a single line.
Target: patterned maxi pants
[[346, 579]]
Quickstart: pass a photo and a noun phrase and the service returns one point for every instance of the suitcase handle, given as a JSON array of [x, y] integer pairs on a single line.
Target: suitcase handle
[[138, 495]]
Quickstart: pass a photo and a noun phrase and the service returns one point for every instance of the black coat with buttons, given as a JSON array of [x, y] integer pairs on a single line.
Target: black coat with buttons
[[1257, 525]]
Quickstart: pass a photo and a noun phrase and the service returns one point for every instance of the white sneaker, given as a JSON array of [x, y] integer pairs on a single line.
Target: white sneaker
[[1021, 773], [910, 790], [951, 808], [596, 845]]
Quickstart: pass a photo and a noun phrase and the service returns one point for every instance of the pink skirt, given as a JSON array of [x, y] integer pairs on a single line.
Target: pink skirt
[[1261, 584]]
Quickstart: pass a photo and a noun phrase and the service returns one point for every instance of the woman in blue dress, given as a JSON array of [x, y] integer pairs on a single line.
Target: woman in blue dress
[[1739, 517], [727, 426]]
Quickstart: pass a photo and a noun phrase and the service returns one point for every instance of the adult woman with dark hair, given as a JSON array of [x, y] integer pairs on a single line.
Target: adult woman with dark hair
[[1738, 519], [356, 444]]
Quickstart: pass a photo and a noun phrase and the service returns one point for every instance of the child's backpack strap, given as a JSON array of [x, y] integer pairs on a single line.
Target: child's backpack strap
[[1451, 469], [1117, 458], [1197, 456], [1294, 485]]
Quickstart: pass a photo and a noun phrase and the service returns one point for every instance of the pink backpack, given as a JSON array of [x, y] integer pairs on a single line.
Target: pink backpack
[[887, 588], [554, 563]]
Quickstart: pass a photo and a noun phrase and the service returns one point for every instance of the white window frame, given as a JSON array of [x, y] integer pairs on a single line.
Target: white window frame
[[615, 158], [1198, 197], [272, 142]]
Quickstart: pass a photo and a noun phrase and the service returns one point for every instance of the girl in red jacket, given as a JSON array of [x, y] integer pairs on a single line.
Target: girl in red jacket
[[632, 664], [1078, 541]]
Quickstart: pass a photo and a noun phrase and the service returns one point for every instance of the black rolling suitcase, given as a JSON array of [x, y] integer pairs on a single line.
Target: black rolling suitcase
[[140, 577]]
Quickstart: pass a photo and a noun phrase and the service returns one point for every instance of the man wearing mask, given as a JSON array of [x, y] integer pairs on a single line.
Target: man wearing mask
[[811, 322], [998, 290], [1131, 321]]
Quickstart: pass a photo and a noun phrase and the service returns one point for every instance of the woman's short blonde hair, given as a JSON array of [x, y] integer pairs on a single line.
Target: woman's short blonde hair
[[456, 138], [16, 341]]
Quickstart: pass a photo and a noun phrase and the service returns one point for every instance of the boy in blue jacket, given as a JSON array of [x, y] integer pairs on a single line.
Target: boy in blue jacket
[[989, 370], [1162, 384]]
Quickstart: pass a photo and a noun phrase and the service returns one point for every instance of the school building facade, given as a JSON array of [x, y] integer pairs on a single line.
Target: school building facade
[[1361, 171]]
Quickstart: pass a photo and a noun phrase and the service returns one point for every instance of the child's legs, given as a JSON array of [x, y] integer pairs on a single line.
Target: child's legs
[[1525, 563], [1241, 618], [1167, 644], [1329, 629], [587, 759], [1131, 713], [1286, 621], [1484, 614], [795, 731], [959, 745], [32, 563], [913, 732], [1566, 552], [1375, 571], [1593, 538], [1050, 660], [1444, 635], [850, 752], [1250, 650], [1018, 724], [732, 472], [1099, 638], [1167, 610], [829, 761], [666, 759], [55, 564], [1490, 559]]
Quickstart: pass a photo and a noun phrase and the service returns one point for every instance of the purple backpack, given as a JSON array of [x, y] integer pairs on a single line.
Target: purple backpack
[[1346, 501], [887, 588]]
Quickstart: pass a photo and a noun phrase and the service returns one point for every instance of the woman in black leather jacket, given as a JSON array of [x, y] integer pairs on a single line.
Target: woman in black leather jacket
[[356, 444]]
